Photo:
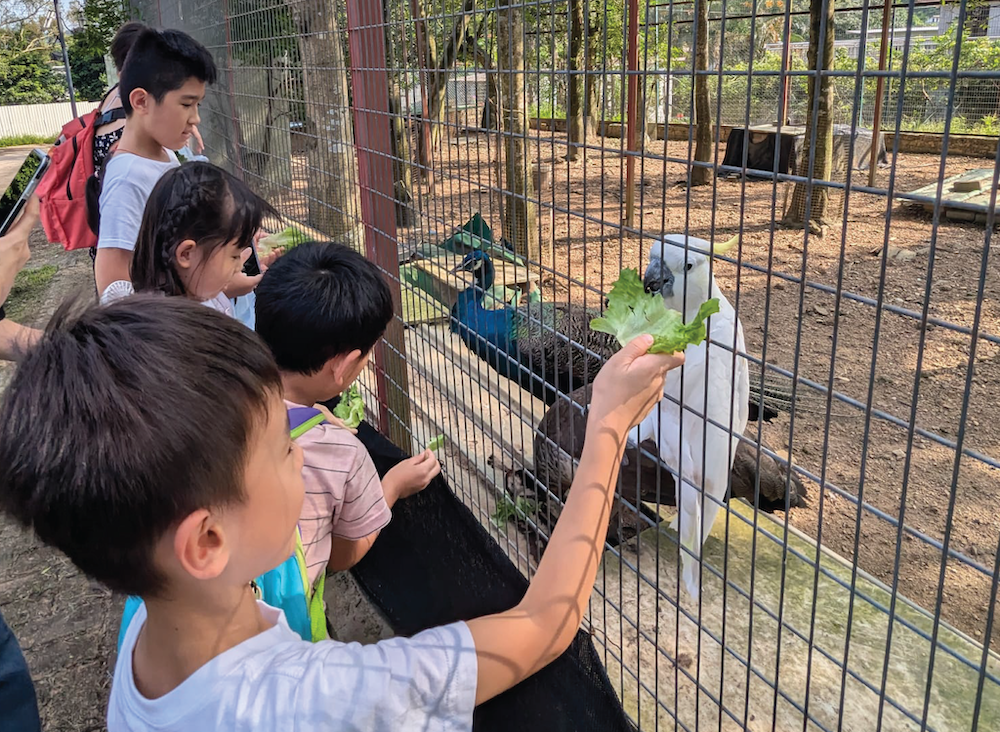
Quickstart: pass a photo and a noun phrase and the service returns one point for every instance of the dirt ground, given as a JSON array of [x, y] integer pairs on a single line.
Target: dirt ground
[[66, 624], [584, 248]]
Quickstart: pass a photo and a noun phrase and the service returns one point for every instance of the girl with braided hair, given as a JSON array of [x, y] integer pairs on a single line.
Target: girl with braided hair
[[196, 233]]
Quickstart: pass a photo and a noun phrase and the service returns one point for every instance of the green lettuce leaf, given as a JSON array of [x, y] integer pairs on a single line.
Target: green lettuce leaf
[[351, 409], [632, 311], [287, 239], [436, 444]]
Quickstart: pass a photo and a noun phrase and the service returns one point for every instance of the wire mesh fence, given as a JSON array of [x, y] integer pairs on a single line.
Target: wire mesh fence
[[850, 581]]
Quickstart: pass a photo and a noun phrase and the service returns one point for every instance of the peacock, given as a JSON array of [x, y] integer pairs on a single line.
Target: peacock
[[531, 345], [547, 348], [559, 442]]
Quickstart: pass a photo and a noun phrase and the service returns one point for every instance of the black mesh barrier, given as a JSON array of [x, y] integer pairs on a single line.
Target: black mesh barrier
[[435, 564]]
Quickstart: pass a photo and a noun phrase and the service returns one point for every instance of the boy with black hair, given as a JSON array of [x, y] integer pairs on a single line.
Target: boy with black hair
[[186, 505], [321, 308], [161, 86]]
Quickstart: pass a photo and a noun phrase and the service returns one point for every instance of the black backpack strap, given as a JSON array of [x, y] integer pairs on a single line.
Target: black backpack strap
[[112, 115]]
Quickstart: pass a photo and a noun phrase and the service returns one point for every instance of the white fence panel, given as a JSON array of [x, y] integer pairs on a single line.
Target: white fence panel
[[39, 119]]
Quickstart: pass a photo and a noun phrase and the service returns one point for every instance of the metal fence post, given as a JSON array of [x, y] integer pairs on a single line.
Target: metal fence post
[[372, 134]]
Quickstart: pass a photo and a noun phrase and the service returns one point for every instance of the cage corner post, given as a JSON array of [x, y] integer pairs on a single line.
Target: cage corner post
[[372, 133]]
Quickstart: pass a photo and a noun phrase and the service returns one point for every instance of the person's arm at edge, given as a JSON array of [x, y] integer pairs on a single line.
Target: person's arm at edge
[[512, 645], [15, 339], [112, 265], [345, 553], [14, 252]]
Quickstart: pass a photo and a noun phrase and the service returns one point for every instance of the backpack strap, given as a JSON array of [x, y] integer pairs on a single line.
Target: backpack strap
[[112, 115], [303, 419], [315, 608], [300, 421]]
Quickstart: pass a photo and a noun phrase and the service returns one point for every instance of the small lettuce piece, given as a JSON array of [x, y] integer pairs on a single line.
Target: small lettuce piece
[[351, 409], [437, 443], [287, 239], [633, 312]]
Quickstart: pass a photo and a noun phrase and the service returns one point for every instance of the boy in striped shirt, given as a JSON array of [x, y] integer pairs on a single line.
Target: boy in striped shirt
[[321, 308]]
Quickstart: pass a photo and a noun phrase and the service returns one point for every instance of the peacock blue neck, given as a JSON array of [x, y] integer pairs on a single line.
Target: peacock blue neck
[[485, 275], [481, 328]]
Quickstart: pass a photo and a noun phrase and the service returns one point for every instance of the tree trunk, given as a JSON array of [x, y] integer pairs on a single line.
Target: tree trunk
[[820, 56], [490, 119], [333, 200], [402, 181], [592, 97], [702, 106], [441, 69], [519, 224], [577, 130]]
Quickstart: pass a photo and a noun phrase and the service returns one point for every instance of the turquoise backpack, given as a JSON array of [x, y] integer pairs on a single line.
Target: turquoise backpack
[[283, 587]]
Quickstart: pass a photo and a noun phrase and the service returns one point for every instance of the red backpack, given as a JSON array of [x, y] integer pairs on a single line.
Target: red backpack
[[63, 188]]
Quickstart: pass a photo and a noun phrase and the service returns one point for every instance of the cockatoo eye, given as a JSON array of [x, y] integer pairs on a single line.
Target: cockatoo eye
[[689, 266]]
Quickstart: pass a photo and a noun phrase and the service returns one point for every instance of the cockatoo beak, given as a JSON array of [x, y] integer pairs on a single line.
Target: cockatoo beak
[[659, 279]]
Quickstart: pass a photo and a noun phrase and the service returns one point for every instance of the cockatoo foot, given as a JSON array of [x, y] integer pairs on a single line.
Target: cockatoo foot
[[690, 577]]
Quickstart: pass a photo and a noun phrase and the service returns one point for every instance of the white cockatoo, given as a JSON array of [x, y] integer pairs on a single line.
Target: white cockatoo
[[703, 456]]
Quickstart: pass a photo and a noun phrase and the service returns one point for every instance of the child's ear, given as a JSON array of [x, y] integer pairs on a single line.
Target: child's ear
[[184, 254], [141, 100], [200, 545], [345, 365]]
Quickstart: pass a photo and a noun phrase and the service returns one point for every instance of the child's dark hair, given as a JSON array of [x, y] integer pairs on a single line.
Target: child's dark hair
[[175, 393], [121, 44], [197, 201], [321, 300], [161, 62]]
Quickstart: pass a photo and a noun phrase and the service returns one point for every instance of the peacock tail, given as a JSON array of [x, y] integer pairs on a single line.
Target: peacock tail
[[544, 331]]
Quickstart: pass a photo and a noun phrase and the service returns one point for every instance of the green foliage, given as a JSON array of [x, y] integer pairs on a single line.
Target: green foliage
[[977, 100], [27, 57], [97, 22], [507, 510], [15, 140]]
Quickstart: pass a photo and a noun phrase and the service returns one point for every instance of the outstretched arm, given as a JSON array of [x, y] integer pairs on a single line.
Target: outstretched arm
[[512, 645]]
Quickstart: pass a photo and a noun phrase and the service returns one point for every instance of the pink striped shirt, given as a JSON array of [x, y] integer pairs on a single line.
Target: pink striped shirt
[[344, 495]]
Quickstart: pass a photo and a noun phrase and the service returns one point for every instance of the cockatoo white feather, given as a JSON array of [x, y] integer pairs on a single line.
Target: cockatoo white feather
[[701, 452]]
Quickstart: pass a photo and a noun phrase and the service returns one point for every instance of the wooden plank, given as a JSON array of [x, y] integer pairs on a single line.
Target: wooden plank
[[975, 200]]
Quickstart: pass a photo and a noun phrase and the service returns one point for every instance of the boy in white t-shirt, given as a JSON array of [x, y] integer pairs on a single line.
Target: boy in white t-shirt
[[192, 487], [161, 87]]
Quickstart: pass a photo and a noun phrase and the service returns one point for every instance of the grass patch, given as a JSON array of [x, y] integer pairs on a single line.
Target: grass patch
[[29, 286], [14, 140]]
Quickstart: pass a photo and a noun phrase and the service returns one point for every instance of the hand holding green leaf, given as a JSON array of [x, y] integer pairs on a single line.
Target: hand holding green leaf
[[283, 240], [633, 312]]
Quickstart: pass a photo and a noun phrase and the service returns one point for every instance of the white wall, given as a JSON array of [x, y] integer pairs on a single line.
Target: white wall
[[39, 119]]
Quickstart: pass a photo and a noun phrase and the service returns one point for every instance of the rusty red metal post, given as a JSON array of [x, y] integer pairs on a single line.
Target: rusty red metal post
[[631, 109], [373, 141]]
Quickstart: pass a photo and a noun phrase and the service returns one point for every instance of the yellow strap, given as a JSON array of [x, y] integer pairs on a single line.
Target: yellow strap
[[314, 595]]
